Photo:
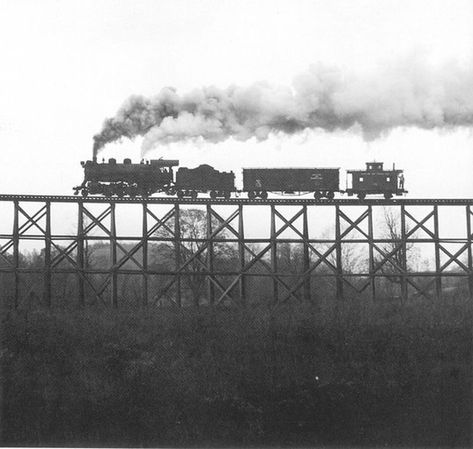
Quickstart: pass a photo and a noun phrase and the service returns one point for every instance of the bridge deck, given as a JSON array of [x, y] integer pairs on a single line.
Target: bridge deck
[[237, 201]]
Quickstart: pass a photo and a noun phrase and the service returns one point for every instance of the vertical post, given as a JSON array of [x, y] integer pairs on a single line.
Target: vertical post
[[144, 245], [210, 256], [305, 234], [371, 253], [274, 254], [241, 251], [404, 291], [177, 252], [80, 254], [113, 255], [16, 253], [338, 249], [47, 257], [469, 251], [438, 278]]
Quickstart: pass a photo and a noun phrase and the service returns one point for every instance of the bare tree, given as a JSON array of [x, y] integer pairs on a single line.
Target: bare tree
[[400, 255], [194, 250]]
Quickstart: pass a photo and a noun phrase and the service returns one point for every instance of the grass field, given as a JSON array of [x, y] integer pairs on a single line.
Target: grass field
[[349, 375]]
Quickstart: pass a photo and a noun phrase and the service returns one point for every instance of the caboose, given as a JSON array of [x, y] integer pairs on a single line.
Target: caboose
[[374, 180]]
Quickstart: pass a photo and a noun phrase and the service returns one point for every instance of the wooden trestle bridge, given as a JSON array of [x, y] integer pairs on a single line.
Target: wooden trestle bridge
[[32, 216]]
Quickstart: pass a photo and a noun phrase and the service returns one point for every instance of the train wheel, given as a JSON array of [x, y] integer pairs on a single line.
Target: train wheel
[[180, 194], [388, 195], [226, 195], [213, 194], [264, 195], [251, 195], [361, 195], [84, 193], [194, 195], [317, 195], [330, 195]]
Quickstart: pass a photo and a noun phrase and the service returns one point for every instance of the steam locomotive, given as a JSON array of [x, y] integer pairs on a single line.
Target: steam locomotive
[[157, 176]]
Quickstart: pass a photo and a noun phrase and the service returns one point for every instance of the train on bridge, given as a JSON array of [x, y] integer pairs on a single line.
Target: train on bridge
[[157, 176]]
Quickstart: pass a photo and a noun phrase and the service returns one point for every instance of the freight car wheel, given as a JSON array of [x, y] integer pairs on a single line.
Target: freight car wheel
[[194, 195], [226, 195], [251, 195], [330, 195], [84, 193], [361, 195], [317, 195], [388, 195], [264, 195], [213, 194]]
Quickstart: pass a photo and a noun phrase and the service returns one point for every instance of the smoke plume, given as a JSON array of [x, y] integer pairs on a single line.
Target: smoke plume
[[408, 94]]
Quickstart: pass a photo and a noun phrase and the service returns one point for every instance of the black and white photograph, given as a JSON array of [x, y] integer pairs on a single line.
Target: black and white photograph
[[236, 223]]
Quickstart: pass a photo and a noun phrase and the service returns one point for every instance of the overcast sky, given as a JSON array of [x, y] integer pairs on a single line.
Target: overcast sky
[[67, 65]]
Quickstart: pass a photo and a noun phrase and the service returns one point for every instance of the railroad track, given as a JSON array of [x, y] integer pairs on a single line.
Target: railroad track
[[289, 201]]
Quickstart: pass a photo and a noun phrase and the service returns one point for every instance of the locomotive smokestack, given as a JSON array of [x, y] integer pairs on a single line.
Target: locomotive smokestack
[[411, 93], [95, 149]]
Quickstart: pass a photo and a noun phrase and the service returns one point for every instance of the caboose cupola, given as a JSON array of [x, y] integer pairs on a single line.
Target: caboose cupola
[[374, 166]]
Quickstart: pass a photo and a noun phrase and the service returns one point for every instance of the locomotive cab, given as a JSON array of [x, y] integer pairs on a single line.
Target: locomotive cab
[[374, 180]]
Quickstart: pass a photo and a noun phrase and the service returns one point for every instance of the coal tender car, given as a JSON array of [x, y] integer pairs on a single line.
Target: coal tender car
[[322, 182], [204, 179], [375, 181], [127, 179]]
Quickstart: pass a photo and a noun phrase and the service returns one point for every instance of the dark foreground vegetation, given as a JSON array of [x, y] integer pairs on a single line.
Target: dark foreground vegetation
[[352, 375]]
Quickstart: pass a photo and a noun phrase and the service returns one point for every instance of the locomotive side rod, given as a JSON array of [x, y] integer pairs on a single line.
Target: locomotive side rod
[[238, 201]]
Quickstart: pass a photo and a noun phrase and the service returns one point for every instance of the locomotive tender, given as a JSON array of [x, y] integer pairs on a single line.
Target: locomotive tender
[[157, 176]]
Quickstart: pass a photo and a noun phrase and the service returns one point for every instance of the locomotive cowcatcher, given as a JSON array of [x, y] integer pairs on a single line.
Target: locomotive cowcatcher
[[127, 179], [375, 180]]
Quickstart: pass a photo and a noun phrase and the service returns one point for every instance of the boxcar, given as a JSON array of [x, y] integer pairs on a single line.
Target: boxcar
[[375, 180], [204, 178], [322, 182]]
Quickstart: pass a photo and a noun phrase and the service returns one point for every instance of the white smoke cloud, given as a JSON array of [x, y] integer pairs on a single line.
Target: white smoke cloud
[[411, 93]]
